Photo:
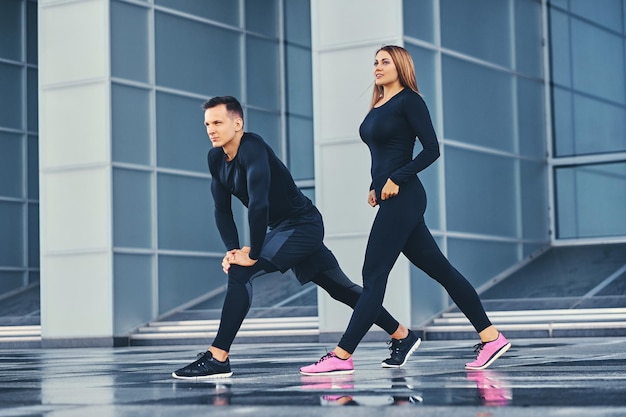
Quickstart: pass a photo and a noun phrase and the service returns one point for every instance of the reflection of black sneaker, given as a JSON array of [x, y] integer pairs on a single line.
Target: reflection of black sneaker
[[401, 350], [206, 367]]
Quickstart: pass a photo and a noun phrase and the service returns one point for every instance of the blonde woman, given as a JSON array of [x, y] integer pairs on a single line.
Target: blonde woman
[[398, 115]]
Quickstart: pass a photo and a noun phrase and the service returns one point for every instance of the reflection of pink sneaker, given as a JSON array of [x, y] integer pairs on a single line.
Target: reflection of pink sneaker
[[492, 388], [488, 352], [329, 364]]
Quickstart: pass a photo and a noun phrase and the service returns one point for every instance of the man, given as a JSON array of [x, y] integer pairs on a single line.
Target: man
[[243, 165]]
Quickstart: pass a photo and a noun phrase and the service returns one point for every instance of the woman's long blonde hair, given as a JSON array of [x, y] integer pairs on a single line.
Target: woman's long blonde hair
[[404, 65]]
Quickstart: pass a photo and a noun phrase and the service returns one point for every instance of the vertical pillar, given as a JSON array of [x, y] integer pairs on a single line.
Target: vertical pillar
[[75, 173], [345, 37]]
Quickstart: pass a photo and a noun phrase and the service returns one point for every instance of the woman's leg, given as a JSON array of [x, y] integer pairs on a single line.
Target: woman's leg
[[422, 250]]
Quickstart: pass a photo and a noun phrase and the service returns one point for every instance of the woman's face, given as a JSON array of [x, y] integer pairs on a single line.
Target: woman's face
[[385, 72]]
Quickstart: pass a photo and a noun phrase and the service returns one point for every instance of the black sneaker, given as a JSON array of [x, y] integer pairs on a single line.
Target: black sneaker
[[206, 367], [401, 350]]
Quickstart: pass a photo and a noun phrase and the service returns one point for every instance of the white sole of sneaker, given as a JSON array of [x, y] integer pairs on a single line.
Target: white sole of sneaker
[[491, 360], [202, 378], [348, 372], [406, 358]]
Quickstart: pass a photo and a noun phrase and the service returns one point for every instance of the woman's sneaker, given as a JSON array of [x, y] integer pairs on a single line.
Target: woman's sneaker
[[206, 367], [401, 350], [488, 352], [329, 364]]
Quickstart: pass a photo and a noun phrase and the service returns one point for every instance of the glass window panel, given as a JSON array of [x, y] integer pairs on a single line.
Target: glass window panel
[[268, 126], [133, 275], [31, 32], [564, 4], [263, 86], [185, 278], [262, 17], [310, 193], [299, 82], [132, 213], [185, 214], [11, 29], [562, 115], [12, 236], [298, 21], [424, 60], [130, 111], [464, 253], [561, 63], [528, 37], [566, 203], [33, 277], [33, 167], [32, 100], [10, 280], [592, 200], [182, 142], [460, 31], [531, 114], [534, 200], [12, 97], [481, 193], [477, 105], [599, 126], [11, 165], [607, 13], [33, 235], [197, 57], [129, 41], [300, 134], [219, 10], [590, 47], [418, 18]]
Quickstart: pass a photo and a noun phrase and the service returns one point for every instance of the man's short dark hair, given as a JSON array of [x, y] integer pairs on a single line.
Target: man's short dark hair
[[232, 105]]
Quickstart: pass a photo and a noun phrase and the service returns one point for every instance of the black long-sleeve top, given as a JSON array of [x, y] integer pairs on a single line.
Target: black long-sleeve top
[[390, 131], [262, 183]]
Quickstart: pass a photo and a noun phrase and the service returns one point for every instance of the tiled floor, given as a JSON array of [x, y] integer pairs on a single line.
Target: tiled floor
[[542, 377]]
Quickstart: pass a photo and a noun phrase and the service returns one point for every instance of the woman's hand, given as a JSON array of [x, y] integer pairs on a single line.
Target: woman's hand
[[371, 198], [391, 189]]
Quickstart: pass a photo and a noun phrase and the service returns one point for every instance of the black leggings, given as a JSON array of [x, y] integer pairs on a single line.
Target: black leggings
[[399, 228], [239, 298]]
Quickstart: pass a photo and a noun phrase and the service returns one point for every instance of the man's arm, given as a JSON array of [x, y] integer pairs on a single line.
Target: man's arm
[[256, 161], [224, 213]]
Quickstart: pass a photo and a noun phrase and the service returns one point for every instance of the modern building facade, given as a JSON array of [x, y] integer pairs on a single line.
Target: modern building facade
[[104, 190]]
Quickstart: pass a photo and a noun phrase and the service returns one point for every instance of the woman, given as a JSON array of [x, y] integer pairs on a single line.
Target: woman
[[398, 115]]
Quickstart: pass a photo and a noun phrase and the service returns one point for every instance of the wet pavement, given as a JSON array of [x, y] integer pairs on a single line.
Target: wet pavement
[[543, 377]]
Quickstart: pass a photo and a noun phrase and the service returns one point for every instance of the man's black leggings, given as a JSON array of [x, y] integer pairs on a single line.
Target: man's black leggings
[[399, 228]]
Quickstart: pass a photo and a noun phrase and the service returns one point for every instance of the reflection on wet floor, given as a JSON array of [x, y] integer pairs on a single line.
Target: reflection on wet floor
[[575, 374]]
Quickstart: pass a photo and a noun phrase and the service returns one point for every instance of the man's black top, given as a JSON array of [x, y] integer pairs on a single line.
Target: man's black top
[[262, 183]]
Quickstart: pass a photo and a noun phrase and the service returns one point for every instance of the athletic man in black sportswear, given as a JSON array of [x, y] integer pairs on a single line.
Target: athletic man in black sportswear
[[243, 165]]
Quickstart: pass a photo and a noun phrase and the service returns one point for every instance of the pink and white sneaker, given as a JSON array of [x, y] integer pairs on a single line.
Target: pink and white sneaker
[[329, 364], [488, 352]]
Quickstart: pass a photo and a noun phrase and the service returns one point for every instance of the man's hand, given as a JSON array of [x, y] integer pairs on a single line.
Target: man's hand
[[237, 257], [391, 189]]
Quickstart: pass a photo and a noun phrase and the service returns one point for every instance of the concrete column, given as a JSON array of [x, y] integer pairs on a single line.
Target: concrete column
[[345, 37], [75, 173]]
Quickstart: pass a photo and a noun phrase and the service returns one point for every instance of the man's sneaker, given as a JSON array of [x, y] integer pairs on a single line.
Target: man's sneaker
[[488, 352], [206, 367], [329, 364], [401, 350]]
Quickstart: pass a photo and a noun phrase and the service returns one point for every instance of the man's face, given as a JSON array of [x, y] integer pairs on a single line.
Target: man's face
[[221, 126]]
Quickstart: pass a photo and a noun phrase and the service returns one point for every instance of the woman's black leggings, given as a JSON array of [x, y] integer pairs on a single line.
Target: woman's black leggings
[[399, 228]]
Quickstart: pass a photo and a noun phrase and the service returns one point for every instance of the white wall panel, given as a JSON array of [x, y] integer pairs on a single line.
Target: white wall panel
[[342, 22], [78, 301], [72, 37], [76, 121]]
